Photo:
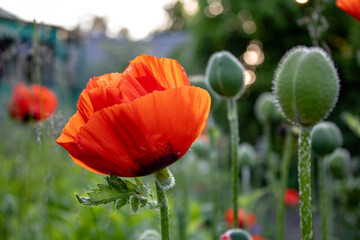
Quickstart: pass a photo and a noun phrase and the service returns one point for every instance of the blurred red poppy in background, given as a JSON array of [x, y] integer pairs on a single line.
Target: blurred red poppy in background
[[291, 197], [137, 122], [245, 220], [34, 102], [352, 7], [258, 237]]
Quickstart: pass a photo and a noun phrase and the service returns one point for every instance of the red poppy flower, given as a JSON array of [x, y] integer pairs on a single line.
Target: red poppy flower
[[352, 7], [245, 219], [138, 122], [33, 102], [291, 197], [258, 237]]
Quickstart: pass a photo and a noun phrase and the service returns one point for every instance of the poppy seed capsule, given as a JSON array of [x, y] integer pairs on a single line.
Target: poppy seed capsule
[[306, 85], [325, 138], [236, 234], [265, 108], [339, 162], [225, 75], [247, 154]]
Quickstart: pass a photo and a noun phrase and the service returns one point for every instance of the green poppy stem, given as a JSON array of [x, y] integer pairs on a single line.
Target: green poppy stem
[[286, 156], [269, 159], [234, 135], [323, 198], [163, 204], [304, 177]]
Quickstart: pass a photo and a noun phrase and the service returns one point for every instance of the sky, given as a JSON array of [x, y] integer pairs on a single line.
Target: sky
[[140, 16]]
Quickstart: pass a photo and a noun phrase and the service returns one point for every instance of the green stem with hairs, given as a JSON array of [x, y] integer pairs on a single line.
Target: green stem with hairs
[[323, 197], [286, 156], [163, 206], [234, 135], [304, 177], [269, 160]]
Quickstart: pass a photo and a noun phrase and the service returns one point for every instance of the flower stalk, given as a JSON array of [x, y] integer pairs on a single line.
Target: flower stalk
[[323, 198], [233, 121], [163, 204], [304, 178], [286, 156]]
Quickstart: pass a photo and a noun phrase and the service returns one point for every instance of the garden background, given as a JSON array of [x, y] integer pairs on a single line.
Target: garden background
[[38, 179]]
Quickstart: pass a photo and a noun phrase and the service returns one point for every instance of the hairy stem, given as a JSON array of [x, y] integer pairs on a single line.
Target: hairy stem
[[323, 197], [304, 177], [234, 133], [286, 156], [164, 210]]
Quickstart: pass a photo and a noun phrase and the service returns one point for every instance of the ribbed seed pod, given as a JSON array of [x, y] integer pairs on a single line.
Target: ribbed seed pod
[[265, 108], [306, 85], [247, 154], [325, 138], [225, 75]]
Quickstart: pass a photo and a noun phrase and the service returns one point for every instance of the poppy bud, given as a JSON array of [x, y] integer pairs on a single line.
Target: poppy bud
[[150, 235], [306, 85], [339, 162], [325, 138], [235, 234], [265, 108], [225, 75], [247, 154]]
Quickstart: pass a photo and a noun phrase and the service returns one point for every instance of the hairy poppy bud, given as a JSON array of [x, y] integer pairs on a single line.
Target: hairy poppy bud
[[236, 234], [225, 75], [325, 138], [306, 85], [339, 162], [247, 154], [265, 108]]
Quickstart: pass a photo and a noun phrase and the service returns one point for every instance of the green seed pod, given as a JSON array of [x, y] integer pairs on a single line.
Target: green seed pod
[[339, 162], [247, 154], [265, 108], [225, 75], [236, 234], [325, 138], [306, 85]]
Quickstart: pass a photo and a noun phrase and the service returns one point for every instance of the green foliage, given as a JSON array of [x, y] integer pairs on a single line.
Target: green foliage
[[120, 192], [352, 122]]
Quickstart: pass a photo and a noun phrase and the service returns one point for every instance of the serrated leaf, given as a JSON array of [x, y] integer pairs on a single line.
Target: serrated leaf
[[119, 183], [143, 202], [121, 202], [134, 204]]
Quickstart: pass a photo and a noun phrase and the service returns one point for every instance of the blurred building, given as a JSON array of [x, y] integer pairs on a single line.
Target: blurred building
[[69, 58]]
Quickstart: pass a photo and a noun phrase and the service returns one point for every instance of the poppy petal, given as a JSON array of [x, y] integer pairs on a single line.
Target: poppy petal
[[70, 130], [139, 81], [168, 72], [352, 7], [106, 80], [144, 136], [44, 101]]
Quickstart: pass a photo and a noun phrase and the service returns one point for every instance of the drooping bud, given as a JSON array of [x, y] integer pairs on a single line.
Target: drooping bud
[[247, 154], [325, 138], [150, 235], [225, 75], [265, 108], [165, 179], [306, 85], [236, 234], [339, 162]]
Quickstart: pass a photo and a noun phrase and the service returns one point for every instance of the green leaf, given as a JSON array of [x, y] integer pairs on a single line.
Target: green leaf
[[135, 204], [121, 202], [120, 191]]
